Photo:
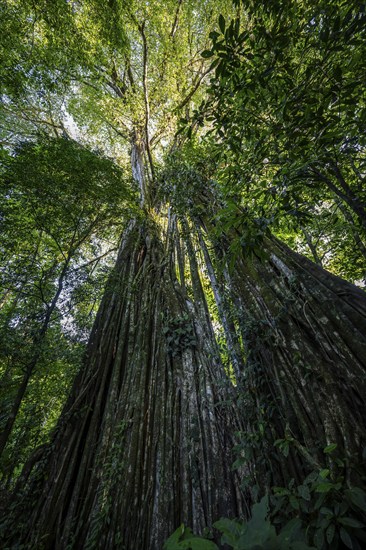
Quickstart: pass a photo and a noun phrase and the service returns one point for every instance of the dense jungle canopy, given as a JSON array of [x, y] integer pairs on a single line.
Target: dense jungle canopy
[[182, 274]]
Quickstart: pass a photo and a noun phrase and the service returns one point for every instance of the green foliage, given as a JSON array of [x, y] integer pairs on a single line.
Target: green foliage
[[46, 44], [318, 514], [287, 105], [260, 533], [256, 534], [330, 510], [36, 37], [62, 165], [183, 538], [179, 334], [61, 204], [187, 182]]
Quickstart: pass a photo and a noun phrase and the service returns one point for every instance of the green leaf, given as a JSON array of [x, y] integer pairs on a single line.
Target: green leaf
[[184, 539], [281, 491], [298, 545], [351, 522], [259, 512], [214, 35], [326, 511], [346, 538], [357, 497], [172, 543], [329, 534], [330, 448], [313, 476], [198, 543], [304, 492], [207, 53], [319, 538], [222, 23], [257, 537], [324, 487], [239, 462], [231, 529], [294, 502], [290, 530]]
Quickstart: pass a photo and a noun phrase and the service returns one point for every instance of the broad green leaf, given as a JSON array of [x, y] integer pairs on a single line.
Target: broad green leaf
[[357, 496], [350, 522], [346, 538], [329, 534], [207, 53], [304, 492]]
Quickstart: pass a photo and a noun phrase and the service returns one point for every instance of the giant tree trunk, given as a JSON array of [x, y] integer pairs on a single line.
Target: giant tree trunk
[[304, 379], [144, 442]]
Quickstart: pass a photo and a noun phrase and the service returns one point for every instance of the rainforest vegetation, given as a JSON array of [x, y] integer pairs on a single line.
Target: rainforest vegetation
[[182, 274]]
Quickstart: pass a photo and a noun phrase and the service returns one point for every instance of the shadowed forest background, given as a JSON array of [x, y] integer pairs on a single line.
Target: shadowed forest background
[[182, 274]]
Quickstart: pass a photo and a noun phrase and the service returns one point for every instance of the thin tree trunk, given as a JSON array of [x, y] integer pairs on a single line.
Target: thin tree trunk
[[312, 246], [29, 369]]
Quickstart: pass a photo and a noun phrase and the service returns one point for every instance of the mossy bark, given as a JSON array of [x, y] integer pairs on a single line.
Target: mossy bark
[[304, 378]]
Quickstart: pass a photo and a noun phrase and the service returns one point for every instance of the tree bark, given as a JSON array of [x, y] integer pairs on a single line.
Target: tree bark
[[144, 442], [305, 334]]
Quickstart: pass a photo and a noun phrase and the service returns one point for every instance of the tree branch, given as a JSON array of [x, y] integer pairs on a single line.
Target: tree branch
[[194, 89], [176, 20], [146, 95], [97, 259]]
